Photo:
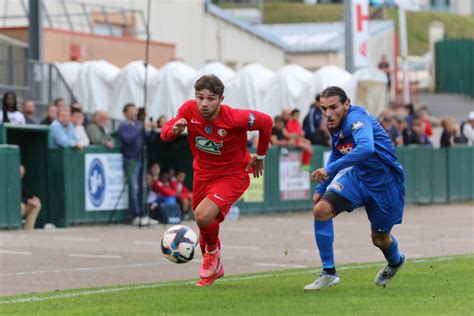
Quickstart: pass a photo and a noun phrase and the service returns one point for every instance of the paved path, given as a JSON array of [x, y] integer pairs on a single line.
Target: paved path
[[46, 260]]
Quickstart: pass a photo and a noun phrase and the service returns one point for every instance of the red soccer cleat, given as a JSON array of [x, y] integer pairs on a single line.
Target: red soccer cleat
[[208, 281], [210, 264]]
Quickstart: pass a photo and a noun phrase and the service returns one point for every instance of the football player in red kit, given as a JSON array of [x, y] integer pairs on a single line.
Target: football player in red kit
[[217, 135]]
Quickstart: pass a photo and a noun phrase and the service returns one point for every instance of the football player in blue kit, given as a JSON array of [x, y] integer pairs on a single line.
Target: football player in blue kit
[[362, 170]]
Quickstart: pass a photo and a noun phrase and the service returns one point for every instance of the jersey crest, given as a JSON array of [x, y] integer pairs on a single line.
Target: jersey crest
[[208, 146], [345, 148]]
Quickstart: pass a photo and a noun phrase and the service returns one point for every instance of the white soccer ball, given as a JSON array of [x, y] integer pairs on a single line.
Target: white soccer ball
[[178, 243]]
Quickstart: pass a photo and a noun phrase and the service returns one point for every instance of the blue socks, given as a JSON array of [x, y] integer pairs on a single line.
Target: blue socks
[[392, 254], [324, 234]]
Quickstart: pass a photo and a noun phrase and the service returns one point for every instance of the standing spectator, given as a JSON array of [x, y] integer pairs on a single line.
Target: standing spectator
[[59, 102], [10, 113], [418, 136], [77, 120], [29, 111], [77, 105], [96, 130], [183, 193], [467, 130], [30, 204], [62, 133], [52, 114], [296, 135], [312, 121], [384, 65], [449, 136], [133, 135]]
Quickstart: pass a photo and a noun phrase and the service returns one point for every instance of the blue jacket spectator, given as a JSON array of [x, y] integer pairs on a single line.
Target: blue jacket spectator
[[312, 121], [62, 133]]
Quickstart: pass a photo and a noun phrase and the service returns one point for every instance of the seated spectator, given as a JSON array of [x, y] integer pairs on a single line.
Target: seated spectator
[[402, 127], [296, 135], [153, 198], [77, 105], [29, 111], [418, 136], [312, 122], [62, 133], [449, 136], [96, 130], [279, 134], [10, 113], [467, 130], [77, 120], [386, 120], [30, 205], [423, 116], [52, 114], [183, 193], [163, 188]]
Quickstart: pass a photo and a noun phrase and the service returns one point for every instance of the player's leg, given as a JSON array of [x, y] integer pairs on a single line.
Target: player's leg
[[385, 209]]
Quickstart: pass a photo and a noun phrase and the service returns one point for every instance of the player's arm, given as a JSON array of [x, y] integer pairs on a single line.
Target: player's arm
[[321, 187], [174, 127], [363, 135]]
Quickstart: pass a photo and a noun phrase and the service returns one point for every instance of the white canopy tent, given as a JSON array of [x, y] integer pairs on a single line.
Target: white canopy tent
[[370, 89], [284, 89]]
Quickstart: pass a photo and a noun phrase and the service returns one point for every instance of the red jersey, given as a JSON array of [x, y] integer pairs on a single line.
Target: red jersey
[[220, 147], [294, 127]]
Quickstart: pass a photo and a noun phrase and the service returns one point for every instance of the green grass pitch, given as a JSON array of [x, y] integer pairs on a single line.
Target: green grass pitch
[[436, 286]]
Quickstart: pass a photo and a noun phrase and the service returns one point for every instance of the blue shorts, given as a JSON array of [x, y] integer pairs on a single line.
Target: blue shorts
[[384, 205]]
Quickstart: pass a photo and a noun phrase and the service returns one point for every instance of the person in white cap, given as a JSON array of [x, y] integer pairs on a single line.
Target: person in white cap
[[467, 130]]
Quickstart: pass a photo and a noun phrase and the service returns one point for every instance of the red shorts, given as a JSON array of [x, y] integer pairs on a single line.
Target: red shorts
[[223, 191]]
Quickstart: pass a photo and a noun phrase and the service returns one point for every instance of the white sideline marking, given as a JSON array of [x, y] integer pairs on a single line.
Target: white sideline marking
[[228, 279], [76, 239], [11, 252], [279, 265], [148, 243], [241, 247], [85, 255]]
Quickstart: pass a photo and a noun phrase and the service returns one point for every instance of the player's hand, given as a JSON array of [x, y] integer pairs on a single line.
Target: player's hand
[[179, 126], [316, 198], [257, 165], [319, 175]]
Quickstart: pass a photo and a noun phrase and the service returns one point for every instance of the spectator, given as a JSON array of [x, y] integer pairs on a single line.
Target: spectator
[[279, 134], [62, 133], [285, 115], [162, 120], [449, 136], [467, 130], [312, 121], [322, 137], [29, 112], [163, 188], [423, 115], [133, 136], [10, 113], [77, 105], [296, 134], [59, 102], [402, 127], [30, 205], [410, 113], [183, 193], [77, 120], [384, 65], [153, 198], [418, 136], [52, 114], [96, 130], [386, 120]]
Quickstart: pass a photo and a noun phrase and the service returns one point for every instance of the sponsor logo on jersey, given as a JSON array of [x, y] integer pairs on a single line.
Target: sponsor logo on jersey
[[208, 146], [194, 121], [208, 129], [345, 148], [221, 132], [251, 119], [356, 125], [337, 186]]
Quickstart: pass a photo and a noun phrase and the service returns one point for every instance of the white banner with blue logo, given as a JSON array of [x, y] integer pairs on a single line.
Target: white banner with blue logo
[[104, 183]]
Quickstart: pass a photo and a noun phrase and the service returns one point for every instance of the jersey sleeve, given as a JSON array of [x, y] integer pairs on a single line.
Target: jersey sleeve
[[250, 120], [362, 132], [166, 132]]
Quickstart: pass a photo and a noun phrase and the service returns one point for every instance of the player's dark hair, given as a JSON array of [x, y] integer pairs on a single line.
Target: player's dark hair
[[334, 91], [127, 106], [211, 83], [294, 112]]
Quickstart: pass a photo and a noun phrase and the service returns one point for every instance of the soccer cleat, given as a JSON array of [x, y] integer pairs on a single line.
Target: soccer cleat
[[324, 280], [217, 275], [387, 273], [210, 264]]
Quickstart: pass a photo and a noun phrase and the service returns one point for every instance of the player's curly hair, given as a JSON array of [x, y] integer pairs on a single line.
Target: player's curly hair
[[334, 91], [211, 83]]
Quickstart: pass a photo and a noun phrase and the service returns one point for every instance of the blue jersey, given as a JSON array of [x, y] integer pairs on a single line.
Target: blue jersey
[[363, 144]]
